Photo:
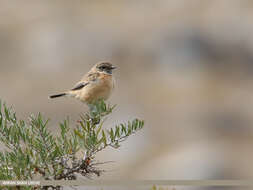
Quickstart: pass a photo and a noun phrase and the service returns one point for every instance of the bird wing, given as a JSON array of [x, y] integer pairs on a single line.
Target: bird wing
[[79, 86], [90, 77]]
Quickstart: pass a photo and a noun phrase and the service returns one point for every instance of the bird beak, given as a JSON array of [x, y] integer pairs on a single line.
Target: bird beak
[[113, 67]]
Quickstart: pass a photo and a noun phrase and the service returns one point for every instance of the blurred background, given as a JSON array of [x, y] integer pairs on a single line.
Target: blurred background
[[185, 67]]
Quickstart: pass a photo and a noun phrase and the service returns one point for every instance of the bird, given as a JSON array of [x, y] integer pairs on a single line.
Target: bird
[[97, 84]]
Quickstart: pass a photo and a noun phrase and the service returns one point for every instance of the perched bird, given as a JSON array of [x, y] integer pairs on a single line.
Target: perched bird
[[97, 84]]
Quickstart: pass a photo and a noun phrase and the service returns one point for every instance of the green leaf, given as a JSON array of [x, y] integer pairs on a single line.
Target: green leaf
[[83, 126], [123, 129], [100, 127], [117, 133], [104, 137], [6, 112], [112, 135], [78, 134], [100, 141], [88, 126]]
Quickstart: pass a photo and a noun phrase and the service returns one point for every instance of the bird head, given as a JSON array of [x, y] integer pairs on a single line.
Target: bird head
[[104, 67]]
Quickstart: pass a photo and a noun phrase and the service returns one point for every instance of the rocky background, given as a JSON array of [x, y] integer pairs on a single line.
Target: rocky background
[[185, 66]]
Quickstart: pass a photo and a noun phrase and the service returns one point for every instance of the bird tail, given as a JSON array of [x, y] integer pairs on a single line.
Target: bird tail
[[57, 95]]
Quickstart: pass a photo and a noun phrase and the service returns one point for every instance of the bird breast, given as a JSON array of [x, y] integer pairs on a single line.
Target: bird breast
[[100, 88]]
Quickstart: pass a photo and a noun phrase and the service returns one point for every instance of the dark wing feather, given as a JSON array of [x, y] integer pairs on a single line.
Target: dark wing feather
[[79, 86], [90, 77]]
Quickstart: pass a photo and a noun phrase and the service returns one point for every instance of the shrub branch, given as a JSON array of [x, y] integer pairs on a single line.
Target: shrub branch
[[31, 150]]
